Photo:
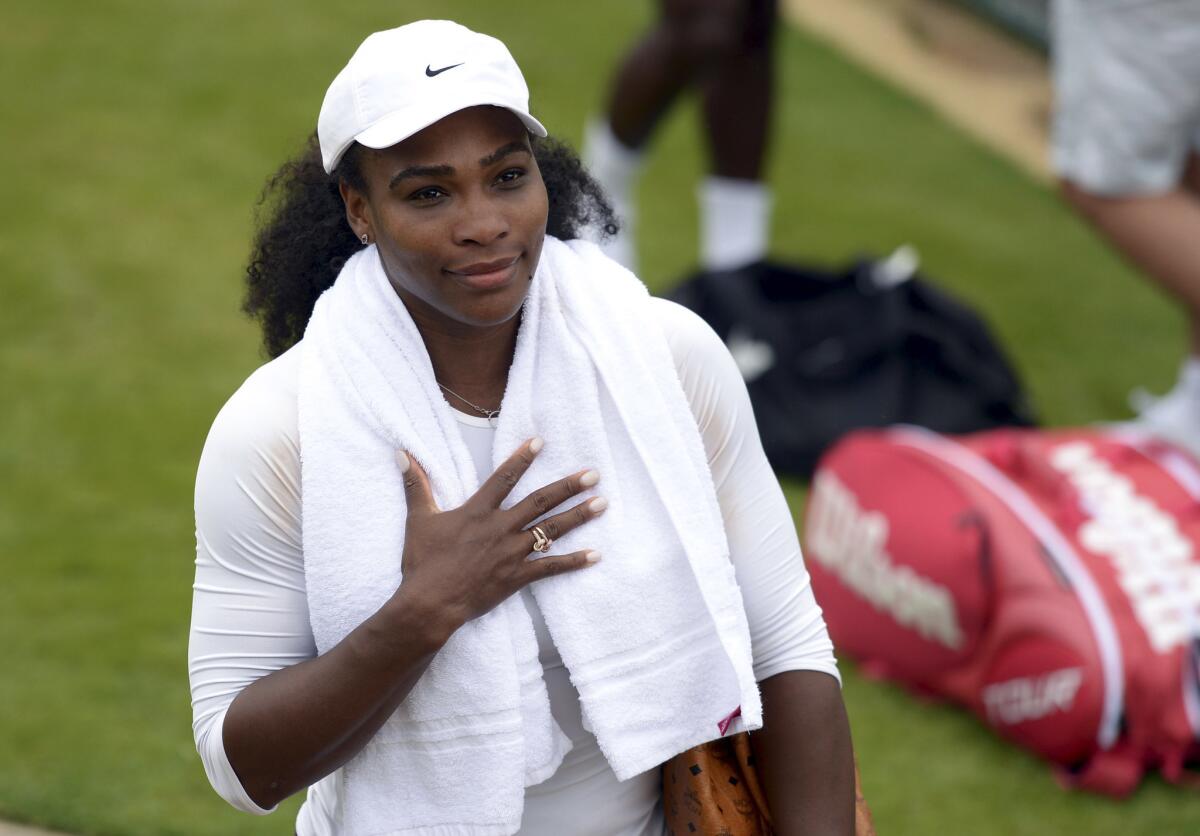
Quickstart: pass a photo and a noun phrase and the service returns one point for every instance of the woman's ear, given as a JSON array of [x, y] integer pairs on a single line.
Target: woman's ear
[[357, 214]]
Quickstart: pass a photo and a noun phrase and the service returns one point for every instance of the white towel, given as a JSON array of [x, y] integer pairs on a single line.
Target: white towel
[[654, 636]]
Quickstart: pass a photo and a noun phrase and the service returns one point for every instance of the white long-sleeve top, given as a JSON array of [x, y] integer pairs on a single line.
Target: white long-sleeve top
[[250, 612]]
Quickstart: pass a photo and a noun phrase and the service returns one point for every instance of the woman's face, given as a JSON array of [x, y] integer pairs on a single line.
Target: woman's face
[[458, 212]]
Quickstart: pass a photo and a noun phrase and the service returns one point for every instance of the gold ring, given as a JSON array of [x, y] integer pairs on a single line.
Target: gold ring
[[541, 543]]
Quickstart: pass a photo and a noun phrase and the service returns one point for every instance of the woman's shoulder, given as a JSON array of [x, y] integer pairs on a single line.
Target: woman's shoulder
[[708, 374], [261, 416], [695, 346]]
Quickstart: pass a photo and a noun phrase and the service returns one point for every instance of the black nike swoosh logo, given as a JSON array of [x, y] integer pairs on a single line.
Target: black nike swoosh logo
[[431, 72]]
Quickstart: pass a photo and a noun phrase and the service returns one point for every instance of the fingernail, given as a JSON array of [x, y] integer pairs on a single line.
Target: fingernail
[[402, 461], [597, 505], [590, 478], [536, 444], [592, 557]]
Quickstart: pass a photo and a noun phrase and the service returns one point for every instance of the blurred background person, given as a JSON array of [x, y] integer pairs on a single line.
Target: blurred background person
[[723, 50], [1126, 149]]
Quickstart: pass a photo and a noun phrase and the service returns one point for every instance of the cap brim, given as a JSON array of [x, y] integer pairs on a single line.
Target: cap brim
[[399, 126]]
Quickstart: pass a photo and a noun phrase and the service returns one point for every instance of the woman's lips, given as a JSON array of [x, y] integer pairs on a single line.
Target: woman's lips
[[487, 274]]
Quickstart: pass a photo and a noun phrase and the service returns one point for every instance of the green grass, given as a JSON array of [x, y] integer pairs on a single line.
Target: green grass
[[136, 138]]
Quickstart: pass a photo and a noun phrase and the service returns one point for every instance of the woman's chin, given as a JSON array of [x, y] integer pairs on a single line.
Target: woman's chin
[[491, 312]]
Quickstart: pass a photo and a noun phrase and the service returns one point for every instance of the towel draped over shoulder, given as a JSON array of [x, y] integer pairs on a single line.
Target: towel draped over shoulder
[[655, 636]]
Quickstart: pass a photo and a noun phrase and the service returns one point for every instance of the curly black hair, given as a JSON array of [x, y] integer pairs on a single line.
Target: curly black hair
[[303, 238]]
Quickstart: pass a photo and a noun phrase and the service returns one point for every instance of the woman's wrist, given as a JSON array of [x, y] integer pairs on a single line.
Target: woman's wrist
[[411, 621]]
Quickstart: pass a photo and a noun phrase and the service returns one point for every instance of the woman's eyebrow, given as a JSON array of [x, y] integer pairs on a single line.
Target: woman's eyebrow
[[420, 171], [516, 146]]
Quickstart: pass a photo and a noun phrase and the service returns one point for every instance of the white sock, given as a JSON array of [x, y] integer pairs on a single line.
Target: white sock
[[615, 166], [1189, 377], [1176, 415], [735, 218]]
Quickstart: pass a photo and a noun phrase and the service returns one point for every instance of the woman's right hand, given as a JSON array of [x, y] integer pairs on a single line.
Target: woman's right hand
[[463, 562]]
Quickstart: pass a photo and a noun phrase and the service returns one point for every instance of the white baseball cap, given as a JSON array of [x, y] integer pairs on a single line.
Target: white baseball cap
[[403, 80]]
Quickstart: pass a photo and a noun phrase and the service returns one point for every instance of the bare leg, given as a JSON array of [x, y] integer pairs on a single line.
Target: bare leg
[[1159, 234], [693, 42], [1191, 175], [737, 97], [734, 203], [691, 37]]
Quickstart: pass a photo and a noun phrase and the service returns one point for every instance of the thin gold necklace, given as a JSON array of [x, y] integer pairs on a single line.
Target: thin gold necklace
[[490, 414]]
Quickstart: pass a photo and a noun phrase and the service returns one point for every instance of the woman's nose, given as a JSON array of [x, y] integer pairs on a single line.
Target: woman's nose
[[480, 222]]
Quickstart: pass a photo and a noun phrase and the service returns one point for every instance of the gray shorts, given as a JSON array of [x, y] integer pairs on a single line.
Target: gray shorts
[[1127, 85]]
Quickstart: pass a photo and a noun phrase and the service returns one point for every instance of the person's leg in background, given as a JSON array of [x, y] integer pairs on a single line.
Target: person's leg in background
[[1127, 116], [735, 203], [1158, 233], [1191, 176], [722, 47]]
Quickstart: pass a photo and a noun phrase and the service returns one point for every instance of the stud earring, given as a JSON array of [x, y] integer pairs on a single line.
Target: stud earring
[[366, 239]]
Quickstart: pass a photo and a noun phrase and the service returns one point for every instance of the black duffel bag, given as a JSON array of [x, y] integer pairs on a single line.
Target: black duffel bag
[[824, 353]]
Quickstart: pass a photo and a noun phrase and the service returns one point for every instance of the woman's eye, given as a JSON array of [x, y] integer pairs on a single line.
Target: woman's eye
[[511, 176], [427, 194]]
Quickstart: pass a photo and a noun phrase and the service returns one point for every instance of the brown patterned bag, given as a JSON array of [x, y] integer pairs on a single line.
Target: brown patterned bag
[[714, 790]]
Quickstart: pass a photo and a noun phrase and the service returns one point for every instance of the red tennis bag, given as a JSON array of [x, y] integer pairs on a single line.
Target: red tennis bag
[[1049, 581]]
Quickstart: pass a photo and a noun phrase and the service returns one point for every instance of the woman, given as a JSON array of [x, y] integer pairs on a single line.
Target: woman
[[423, 656]]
